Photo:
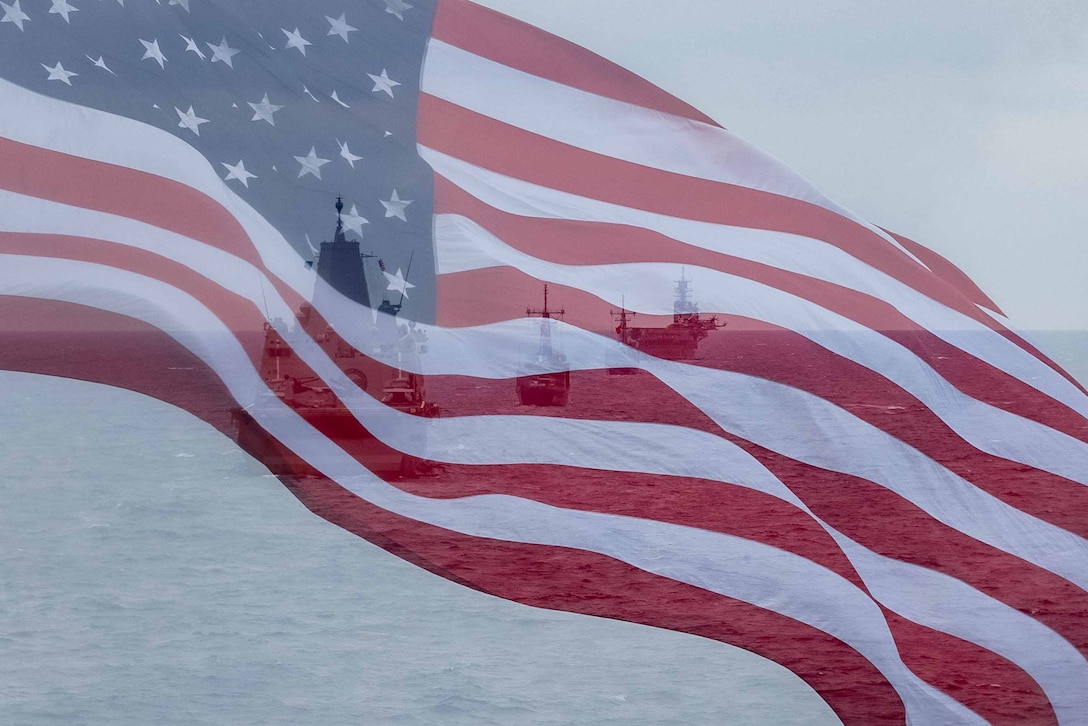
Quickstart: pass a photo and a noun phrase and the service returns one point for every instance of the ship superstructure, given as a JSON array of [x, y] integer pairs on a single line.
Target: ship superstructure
[[293, 388], [540, 383], [679, 340], [340, 263]]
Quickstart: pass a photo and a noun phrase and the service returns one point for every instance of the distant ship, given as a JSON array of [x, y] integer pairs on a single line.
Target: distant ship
[[538, 383], [290, 381], [678, 340]]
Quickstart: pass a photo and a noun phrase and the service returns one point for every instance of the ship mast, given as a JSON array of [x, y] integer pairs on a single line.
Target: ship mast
[[623, 317], [683, 309], [545, 328], [545, 312]]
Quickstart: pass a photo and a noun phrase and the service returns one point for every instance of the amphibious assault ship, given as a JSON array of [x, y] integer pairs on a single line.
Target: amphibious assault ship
[[678, 340]]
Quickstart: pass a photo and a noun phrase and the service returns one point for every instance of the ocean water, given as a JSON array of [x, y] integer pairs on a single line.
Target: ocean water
[[1069, 348], [152, 572]]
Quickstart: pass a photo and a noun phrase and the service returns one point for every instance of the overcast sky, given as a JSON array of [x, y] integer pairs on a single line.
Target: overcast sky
[[962, 124]]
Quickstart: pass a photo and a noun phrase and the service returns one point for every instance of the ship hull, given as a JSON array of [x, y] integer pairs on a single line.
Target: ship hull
[[544, 389], [671, 343]]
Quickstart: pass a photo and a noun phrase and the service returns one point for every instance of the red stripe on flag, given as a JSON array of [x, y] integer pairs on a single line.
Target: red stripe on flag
[[957, 277], [354, 437], [713, 506], [797, 363], [515, 44], [508, 150], [237, 314], [692, 497], [120, 190], [553, 578], [494, 294], [557, 577], [888, 524], [871, 514], [1014, 700], [570, 242], [147, 198], [56, 338], [948, 272], [557, 483], [583, 582]]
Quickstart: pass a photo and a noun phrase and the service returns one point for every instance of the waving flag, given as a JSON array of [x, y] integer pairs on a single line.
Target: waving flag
[[563, 338]]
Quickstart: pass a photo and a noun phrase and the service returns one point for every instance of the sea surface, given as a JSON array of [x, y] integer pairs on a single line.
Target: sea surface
[[152, 572]]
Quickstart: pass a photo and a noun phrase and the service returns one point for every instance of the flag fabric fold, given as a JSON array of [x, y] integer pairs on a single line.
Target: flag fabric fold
[[628, 365]]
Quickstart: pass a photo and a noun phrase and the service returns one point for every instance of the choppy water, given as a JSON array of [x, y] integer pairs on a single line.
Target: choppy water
[[150, 572]]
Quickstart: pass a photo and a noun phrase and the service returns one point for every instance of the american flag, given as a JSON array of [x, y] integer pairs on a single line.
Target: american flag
[[842, 458]]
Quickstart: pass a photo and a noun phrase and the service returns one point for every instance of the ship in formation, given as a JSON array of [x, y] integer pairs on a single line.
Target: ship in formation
[[388, 373], [544, 380], [294, 389], [679, 340]]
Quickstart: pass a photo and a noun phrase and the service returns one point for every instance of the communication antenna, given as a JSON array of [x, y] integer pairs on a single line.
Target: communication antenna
[[264, 298], [406, 273]]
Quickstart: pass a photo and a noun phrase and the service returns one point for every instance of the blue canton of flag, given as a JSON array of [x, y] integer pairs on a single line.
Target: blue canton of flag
[[294, 103]]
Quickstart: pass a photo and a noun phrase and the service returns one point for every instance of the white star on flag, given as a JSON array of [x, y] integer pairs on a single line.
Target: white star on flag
[[383, 83], [340, 26], [190, 45], [182, 3], [223, 52], [295, 40], [57, 73], [397, 7], [14, 14], [336, 98], [346, 154], [395, 206], [355, 222], [238, 171], [263, 111], [101, 63], [61, 7], [397, 283], [311, 163], [152, 51], [190, 120]]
